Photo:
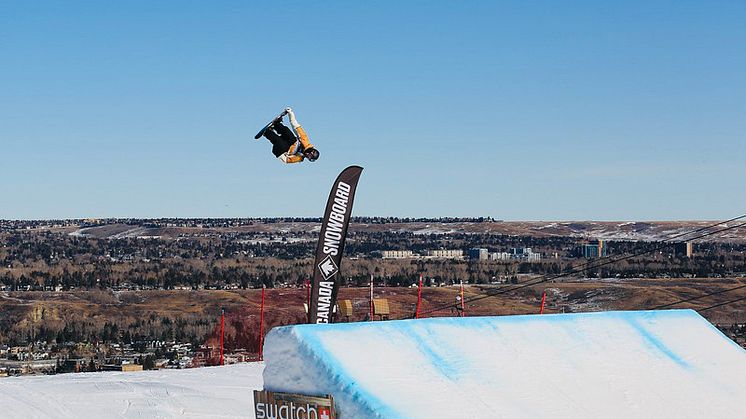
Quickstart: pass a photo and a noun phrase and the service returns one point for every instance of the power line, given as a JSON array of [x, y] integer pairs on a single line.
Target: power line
[[722, 304], [697, 298], [591, 265], [587, 265]]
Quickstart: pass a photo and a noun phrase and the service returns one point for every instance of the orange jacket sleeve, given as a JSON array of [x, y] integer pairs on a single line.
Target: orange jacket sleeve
[[303, 137], [294, 159]]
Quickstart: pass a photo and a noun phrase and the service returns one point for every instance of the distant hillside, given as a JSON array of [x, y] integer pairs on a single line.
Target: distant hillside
[[610, 230]]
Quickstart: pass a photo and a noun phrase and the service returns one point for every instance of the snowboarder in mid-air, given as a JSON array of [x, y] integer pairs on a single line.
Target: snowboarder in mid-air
[[288, 146]]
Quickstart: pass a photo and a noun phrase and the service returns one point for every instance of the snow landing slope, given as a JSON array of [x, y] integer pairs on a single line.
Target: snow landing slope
[[610, 364], [215, 392]]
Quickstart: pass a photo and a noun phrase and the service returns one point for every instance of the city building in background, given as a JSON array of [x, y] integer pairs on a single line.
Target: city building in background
[[397, 254], [500, 256], [478, 253], [445, 254], [684, 249], [525, 254], [598, 249]]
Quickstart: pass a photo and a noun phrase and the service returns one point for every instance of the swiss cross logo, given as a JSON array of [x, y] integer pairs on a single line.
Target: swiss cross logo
[[324, 413], [328, 268]]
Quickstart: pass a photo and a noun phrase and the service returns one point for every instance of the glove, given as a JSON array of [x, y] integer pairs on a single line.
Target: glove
[[291, 116]]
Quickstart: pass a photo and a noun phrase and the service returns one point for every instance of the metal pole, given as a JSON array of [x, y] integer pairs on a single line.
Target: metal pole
[[261, 327], [370, 313], [463, 312], [543, 300], [222, 334], [308, 300], [419, 299]]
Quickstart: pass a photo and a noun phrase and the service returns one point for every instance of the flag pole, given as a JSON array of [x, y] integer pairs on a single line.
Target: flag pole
[[543, 301], [463, 312], [261, 327], [419, 299], [222, 334], [370, 297]]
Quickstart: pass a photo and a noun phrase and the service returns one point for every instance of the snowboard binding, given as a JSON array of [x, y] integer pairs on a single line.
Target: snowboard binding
[[272, 122]]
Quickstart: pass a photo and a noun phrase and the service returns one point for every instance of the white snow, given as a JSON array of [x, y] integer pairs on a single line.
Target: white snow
[[215, 392], [438, 230], [138, 232], [610, 364], [550, 225]]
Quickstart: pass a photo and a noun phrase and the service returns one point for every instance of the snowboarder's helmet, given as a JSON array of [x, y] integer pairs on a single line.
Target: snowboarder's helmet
[[311, 154]]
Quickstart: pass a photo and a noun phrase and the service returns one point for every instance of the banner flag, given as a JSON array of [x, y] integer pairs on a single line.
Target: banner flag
[[326, 278]]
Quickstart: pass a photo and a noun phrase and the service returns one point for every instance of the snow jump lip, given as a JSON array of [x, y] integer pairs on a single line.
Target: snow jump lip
[[607, 364]]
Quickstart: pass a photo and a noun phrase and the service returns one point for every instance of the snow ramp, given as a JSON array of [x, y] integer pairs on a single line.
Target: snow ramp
[[637, 364]]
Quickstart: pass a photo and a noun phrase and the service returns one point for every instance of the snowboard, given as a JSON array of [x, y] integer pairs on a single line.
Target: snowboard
[[266, 127]]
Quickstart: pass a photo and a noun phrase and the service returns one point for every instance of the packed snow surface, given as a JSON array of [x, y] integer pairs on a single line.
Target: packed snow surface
[[610, 364], [215, 392]]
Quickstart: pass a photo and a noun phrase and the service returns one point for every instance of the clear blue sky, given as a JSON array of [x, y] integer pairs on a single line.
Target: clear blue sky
[[519, 110]]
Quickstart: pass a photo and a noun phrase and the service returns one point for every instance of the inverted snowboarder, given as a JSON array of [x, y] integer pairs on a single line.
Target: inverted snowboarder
[[288, 146]]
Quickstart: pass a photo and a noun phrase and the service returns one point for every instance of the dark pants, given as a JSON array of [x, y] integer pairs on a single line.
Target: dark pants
[[281, 138]]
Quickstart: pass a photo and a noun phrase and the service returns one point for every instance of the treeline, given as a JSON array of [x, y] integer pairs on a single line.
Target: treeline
[[17, 329], [9, 225], [105, 317], [48, 261], [181, 329], [246, 273]]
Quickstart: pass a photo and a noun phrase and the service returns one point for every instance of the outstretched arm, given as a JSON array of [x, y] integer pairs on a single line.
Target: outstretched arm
[[295, 158], [298, 129]]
